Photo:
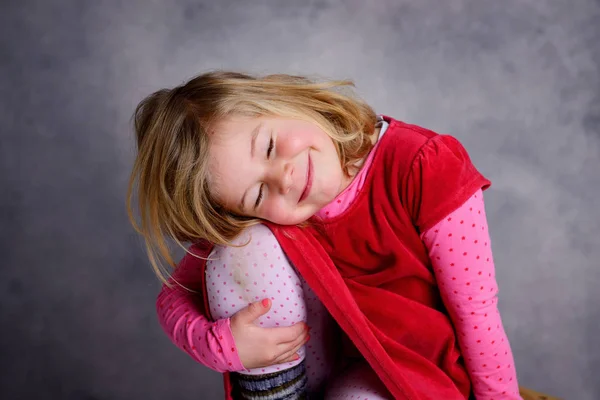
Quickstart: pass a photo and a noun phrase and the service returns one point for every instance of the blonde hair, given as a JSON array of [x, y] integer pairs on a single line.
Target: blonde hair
[[172, 125]]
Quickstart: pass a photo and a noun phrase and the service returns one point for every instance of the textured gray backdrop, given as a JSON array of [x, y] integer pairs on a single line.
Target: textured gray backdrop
[[517, 81]]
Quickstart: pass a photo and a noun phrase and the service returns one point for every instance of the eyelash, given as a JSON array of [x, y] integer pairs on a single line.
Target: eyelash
[[260, 195], [270, 149], [260, 191]]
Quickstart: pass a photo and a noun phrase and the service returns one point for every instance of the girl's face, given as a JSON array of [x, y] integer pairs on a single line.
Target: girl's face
[[277, 169]]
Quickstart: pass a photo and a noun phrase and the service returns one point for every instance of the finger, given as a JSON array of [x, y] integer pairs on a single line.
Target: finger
[[253, 311], [286, 350], [294, 357], [290, 355], [301, 337], [288, 334], [291, 347]]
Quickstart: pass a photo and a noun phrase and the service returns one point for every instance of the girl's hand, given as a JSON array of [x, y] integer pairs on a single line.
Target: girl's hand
[[262, 347]]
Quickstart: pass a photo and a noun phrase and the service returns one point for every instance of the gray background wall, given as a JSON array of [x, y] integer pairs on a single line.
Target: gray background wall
[[517, 81]]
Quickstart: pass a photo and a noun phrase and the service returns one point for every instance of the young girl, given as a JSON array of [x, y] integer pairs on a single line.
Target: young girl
[[367, 221]]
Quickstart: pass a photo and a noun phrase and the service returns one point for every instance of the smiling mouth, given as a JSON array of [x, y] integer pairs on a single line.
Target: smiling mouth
[[309, 178]]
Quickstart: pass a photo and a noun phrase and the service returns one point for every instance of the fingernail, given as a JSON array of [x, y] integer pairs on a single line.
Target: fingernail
[[265, 303], [296, 357]]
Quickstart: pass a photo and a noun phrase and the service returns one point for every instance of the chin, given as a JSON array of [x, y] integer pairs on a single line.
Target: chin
[[292, 216], [296, 220]]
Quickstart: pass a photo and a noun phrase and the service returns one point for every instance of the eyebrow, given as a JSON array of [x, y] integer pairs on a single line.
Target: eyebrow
[[254, 135]]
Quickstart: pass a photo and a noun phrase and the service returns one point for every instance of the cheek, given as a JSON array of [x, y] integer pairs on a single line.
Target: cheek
[[282, 213], [275, 210], [291, 145], [332, 171]]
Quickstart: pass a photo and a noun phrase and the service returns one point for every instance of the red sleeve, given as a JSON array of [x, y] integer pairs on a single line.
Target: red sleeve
[[181, 315], [441, 178]]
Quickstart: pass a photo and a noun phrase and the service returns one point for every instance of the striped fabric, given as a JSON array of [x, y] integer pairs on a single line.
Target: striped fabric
[[289, 384]]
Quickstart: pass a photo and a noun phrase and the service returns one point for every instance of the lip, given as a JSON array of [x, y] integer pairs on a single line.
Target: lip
[[309, 179]]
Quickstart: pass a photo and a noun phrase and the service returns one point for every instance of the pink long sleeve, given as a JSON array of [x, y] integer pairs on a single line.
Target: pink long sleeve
[[460, 250], [179, 314]]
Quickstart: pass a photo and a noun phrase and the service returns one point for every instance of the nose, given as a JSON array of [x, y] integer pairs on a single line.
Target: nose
[[283, 178]]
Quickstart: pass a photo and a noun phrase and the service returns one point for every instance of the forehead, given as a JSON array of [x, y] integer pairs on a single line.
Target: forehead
[[232, 127]]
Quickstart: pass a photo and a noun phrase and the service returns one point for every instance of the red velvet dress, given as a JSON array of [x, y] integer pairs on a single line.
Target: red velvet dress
[[371, 270]]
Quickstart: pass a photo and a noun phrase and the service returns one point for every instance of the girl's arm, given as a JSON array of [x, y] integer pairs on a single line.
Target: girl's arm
[[180, 313], [460, 249]]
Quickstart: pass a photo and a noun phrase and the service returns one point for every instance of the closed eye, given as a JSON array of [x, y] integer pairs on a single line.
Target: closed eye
[[260, 191], [259, 197], [270, 148]]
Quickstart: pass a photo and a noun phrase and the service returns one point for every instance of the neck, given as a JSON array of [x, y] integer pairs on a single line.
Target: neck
[[375, 135], [353, 170]]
